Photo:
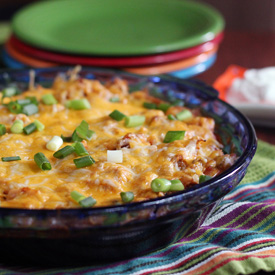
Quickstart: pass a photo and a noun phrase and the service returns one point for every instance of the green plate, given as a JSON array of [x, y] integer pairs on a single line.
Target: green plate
[[116, 27]]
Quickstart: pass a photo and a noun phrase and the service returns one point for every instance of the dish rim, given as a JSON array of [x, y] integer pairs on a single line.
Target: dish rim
[[165, 200]]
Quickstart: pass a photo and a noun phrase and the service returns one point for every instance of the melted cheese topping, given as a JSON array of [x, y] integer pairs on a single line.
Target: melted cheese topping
[[145, 157]]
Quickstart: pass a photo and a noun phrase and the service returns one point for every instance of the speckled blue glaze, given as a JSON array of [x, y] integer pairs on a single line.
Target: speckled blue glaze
[[129, 230]]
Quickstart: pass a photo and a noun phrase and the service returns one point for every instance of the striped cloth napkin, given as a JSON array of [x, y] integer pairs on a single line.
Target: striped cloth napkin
[[239, 237]]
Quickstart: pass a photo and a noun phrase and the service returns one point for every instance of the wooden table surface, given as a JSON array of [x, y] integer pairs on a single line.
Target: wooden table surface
[[247, 49]]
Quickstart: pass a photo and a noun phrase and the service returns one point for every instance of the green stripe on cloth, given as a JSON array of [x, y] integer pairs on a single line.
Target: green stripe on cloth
[[248, 266], [262, 164]]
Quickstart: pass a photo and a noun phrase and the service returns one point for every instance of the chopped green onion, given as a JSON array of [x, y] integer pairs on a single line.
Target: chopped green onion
[[77, 196], [117, 115], [30, 109], [6, 159], [3, 129], [75, 137], [171, 117], [82, 200], [40, 126], [134, 121], [164, 106], [17, 126], [127, 196], [160, 185], [55, 143], [48, 99], [67, 139], [149, 105], [14, 107], [173, 135], [176, 185], [24, 101], [64, 152], [78, 104], [84, 161], [9, 92], [87, 202], [83, 131], [115, 156], [80, 149], [184, 115], [204, 178], [115, 99], [33, 100], [42, 162], [29, 128]]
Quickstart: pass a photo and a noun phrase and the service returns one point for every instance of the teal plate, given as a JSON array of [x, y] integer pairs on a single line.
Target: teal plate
[[117, 28]]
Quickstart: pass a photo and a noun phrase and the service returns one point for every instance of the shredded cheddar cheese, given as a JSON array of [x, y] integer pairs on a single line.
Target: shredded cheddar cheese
[[142, 156]]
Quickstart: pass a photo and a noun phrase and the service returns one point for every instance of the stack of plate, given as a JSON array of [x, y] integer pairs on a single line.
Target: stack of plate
[[178, 37]]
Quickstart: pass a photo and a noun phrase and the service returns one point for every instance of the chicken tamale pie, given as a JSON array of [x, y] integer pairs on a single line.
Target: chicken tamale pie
[[85, 143]]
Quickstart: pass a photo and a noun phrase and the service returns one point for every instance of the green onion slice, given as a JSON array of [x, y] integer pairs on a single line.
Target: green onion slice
[[184, 115], [78, 104], [67, 139], [149, 105], [171, 117], [160, 185], [14, 107], [6, 159], [30, 109], [83, 131], [164, 106], [3, 129], [17, 126], [29, 128], [64, 152], [55, 143], [9, 92], [80, 149], [115, 99], [82, 200], [42, 162], [204, 178], [75, 137], [176, 185], [24, 101], [40, 126], [84, 161], [127, 196], [75, 195], [33, 100], [87, 202], [49, 99], [173, 135], [134, 121], [117, 115]]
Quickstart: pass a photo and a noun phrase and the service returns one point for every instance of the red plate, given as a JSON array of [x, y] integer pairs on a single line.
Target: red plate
[[27, 60], [112, 61]]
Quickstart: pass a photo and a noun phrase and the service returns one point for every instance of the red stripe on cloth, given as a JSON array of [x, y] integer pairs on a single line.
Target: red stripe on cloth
[[255, 243]]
